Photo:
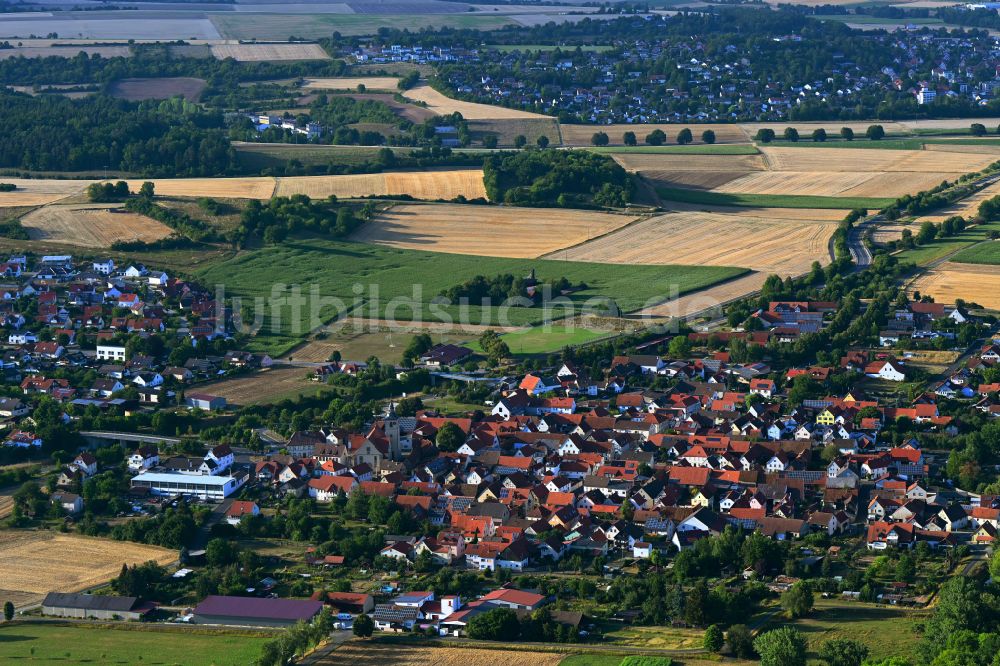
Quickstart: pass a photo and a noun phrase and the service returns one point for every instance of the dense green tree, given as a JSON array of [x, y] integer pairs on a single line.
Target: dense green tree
[[363, 626], [713, 639], [781, 647], [843, 652]]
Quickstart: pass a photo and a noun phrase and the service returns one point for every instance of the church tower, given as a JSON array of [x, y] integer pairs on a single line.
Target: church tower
[[390, 425]]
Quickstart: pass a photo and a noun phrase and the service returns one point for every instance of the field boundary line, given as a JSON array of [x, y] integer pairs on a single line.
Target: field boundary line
[[553, 253]]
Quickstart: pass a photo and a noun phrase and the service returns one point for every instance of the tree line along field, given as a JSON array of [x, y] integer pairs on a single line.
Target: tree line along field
[[497, 231], [36, 563], [53, 643], [336, 266]]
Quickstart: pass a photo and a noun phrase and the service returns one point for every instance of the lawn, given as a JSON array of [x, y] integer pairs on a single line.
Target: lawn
[[697, 149], [335, 277], [544, 339], [984, 253], [886, 630], [51, 643], [769, 200], [961, 243]]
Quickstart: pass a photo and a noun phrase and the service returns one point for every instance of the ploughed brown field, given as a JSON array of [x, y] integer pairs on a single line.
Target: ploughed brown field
[[490, 231], [38, 562], [135, 90], [357, 653], [91, 225], [263, 386]]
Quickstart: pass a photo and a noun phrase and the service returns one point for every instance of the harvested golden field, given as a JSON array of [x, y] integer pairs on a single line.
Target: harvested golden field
[[91, 225], [680, 162], [580, 135], [264, 386], [945, 123], [444, 184], [836, 183], [366, 653], [269, 52], [37, 562], [982, 149], [352, 83], [38, 191], [872, 160], [493, 231], [224, 188], [974, 283], [442, 105], [762, 243]]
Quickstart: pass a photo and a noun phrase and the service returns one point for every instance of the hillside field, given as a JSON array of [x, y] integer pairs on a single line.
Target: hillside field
[[496, 231], [36, 563], [91, 225], [364, 279]]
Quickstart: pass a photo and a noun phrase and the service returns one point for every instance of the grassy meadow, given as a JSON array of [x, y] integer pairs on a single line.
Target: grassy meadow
[[965, 244], [983, 253], [366, 279], [51, 643]]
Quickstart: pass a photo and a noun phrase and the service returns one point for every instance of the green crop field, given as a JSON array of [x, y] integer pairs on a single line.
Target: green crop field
[[942, 247], [365, 280], [769, 200], [64, 644], [696, 149], [984, 253]]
